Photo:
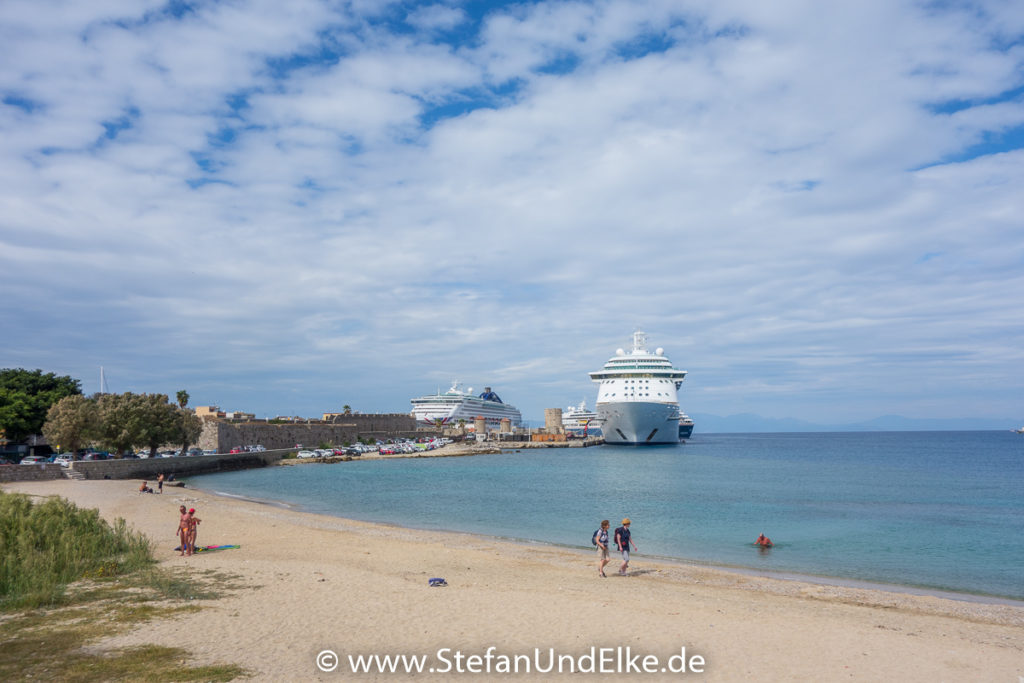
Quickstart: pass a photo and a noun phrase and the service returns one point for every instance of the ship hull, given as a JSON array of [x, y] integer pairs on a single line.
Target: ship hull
[[639, 423], [685, 430]]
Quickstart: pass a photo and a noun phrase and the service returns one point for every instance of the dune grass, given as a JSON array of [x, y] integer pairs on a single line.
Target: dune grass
[[68, 578], [45, 546]]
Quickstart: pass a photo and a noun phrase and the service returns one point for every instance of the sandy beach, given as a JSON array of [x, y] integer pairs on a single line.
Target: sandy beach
[[319, 583]]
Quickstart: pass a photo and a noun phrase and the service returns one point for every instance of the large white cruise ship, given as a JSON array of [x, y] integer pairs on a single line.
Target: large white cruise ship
[[455, 404], [580, 420], [636, 397]]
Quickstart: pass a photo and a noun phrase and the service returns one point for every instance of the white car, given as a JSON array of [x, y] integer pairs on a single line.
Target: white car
[[64, 460], [307, 454]]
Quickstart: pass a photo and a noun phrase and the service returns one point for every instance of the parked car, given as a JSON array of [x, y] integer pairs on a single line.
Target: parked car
[[64, 460], [210, 451], [307, 454], [195, 451], [33, 460]]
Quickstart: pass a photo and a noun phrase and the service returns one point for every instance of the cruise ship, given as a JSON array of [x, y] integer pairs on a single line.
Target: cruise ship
[[636, 397], [455, 404], [580, 420], [685, 425]]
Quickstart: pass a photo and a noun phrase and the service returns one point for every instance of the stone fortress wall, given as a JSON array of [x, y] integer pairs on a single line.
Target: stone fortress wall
[[222, 436]]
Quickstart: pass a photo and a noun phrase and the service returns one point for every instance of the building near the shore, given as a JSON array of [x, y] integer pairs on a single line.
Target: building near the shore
[[208, 412]]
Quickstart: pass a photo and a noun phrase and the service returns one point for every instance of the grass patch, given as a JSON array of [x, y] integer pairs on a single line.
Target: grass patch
[[52, 644], [82, 580], [45, 546]]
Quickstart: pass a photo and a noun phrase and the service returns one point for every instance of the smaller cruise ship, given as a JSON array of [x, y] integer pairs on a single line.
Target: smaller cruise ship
[[439, 409], [579, 420], [685, 425]]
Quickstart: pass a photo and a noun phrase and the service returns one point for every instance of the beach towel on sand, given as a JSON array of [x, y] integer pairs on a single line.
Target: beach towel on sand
[[208, 548]]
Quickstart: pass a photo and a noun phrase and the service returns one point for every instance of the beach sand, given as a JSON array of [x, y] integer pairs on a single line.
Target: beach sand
[[323, 583]]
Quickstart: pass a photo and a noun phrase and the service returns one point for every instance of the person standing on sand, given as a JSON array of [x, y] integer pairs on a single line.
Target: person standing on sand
[[622, 540], [193, 530], [183, 527], [602, 547], [160, 482]]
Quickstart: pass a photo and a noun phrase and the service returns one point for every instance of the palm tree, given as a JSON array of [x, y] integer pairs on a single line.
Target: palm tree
[[347, 410], [182, 398]]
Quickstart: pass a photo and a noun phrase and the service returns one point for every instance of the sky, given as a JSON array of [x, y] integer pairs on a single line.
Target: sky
[[816, 209]]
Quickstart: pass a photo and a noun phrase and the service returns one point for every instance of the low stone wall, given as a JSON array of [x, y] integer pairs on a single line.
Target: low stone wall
[[150, 468], [31, 472]]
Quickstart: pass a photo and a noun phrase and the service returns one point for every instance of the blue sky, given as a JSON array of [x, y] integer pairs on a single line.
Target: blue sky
[[289, 207]]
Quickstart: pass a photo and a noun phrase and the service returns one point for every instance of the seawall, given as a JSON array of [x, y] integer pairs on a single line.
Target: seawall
[[150, 468], [30, 472]]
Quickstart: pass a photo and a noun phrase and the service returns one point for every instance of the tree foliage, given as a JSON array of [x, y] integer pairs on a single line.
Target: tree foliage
[[189, 427], [121, 422], [71, 422], [183, 397], [26, 396], [159, 421]]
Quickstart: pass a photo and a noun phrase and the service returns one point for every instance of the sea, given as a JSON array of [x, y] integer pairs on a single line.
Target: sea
[[938, 511]]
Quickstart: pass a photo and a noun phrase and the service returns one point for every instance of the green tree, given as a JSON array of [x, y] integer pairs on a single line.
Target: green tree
[[71, 422], [183, 399], [160, 422], [189, 428], [347, 410], [120, 421], [26, 396]]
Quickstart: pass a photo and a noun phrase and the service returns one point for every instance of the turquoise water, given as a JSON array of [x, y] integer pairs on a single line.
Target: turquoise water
[[940, 510]]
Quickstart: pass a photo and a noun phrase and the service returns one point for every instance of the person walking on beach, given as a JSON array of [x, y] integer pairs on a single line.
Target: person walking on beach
[[622, 539], [160, 482], [183, 527], [602, 547], [193, 530]]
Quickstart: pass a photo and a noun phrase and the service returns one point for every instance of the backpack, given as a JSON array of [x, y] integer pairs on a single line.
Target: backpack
[[593, 539]]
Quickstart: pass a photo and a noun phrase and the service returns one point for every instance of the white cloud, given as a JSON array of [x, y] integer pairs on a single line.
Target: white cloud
[[256, 193]]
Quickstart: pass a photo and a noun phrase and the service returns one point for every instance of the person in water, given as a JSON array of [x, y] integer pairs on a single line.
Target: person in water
[[763, 541]]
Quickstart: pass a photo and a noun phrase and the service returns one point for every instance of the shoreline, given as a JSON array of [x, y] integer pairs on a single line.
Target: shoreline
[[778, 575], [316, 582]]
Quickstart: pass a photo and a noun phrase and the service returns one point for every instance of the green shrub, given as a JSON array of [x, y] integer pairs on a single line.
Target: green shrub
[[45, 546]]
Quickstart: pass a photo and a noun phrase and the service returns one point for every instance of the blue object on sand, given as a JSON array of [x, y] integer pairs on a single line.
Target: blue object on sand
[[437, 582]]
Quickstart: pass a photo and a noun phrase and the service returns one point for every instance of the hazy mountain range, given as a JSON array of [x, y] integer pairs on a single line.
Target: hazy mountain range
[[748, 422]]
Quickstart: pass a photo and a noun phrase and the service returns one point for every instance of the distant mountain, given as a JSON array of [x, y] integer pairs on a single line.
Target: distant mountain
[[749, 422]]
